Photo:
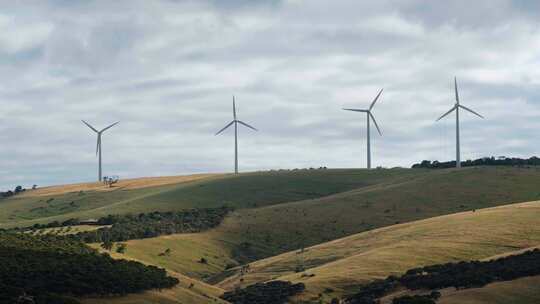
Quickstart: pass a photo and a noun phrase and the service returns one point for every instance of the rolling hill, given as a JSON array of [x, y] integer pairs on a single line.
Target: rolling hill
[[249, 190], [253, 233], [355, 225], [348, 262]]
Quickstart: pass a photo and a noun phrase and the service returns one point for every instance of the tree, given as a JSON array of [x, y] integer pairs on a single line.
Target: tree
[[121, 248], [107, 245]]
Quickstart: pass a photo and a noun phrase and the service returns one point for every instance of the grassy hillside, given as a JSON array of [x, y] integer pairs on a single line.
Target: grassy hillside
[[345, 263], [423, 195], [280, 211], [186, 251], [130, 183], [243, 191], [522, 291], [253, 233]]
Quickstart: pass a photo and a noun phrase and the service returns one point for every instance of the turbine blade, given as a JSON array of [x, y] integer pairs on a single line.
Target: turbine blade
[[234, 107], [245, 124], [449, 111], [114, 124], [87, 124], [375, 122], [465, 108], [225, 127], [455, 87], [375, 100], [356, 110]]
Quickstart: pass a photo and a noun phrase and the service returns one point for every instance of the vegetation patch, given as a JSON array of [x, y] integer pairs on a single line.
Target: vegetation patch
[[17, 190], [51, 269], [120, 228], [273, 292], [458, 275], [417, 299], [484, 161]]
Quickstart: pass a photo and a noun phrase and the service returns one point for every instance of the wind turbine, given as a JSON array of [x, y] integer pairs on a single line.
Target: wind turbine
[[98, 146], [369, 115], [456, 107], [235, 122]]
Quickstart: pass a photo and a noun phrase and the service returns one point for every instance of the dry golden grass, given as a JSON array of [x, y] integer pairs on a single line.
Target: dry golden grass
[[520, 291], [133, 183], [345, 263]]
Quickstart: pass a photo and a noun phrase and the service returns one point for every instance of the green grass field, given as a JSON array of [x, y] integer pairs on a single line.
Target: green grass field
[[288, 226], [186, 251], [249, 190]]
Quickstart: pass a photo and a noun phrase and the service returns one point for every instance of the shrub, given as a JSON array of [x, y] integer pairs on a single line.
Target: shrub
[[274, 292]]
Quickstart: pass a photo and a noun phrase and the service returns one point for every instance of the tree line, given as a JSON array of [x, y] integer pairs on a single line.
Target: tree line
[[55, 269], [484, 161], [13, 192], [144, 225], [460, 275]]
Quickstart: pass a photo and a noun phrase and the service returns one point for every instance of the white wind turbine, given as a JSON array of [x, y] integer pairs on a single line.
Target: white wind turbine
[[369, 116], [235, 122], [98, 146], [456, 107]]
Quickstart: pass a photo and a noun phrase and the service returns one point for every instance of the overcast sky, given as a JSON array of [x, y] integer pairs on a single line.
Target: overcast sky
[[167, 71]]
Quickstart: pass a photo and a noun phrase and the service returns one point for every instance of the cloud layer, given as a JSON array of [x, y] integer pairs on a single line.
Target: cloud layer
[[168, 69]]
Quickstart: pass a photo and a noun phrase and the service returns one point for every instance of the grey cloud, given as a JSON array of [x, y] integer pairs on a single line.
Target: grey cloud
[[167, 71]]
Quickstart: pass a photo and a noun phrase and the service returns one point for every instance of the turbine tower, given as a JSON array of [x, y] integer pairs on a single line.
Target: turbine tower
[[369, 117], [235, 122], [98, 146], [456, 107]]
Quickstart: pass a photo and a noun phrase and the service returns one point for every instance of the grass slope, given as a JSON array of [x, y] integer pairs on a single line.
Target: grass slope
[[390, 196], [131, 183], [344, 263], [243, 191], [186, 251], [284, 227], [522, 291]]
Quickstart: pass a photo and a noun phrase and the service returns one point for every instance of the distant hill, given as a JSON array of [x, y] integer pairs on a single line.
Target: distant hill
[[484, 161]]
